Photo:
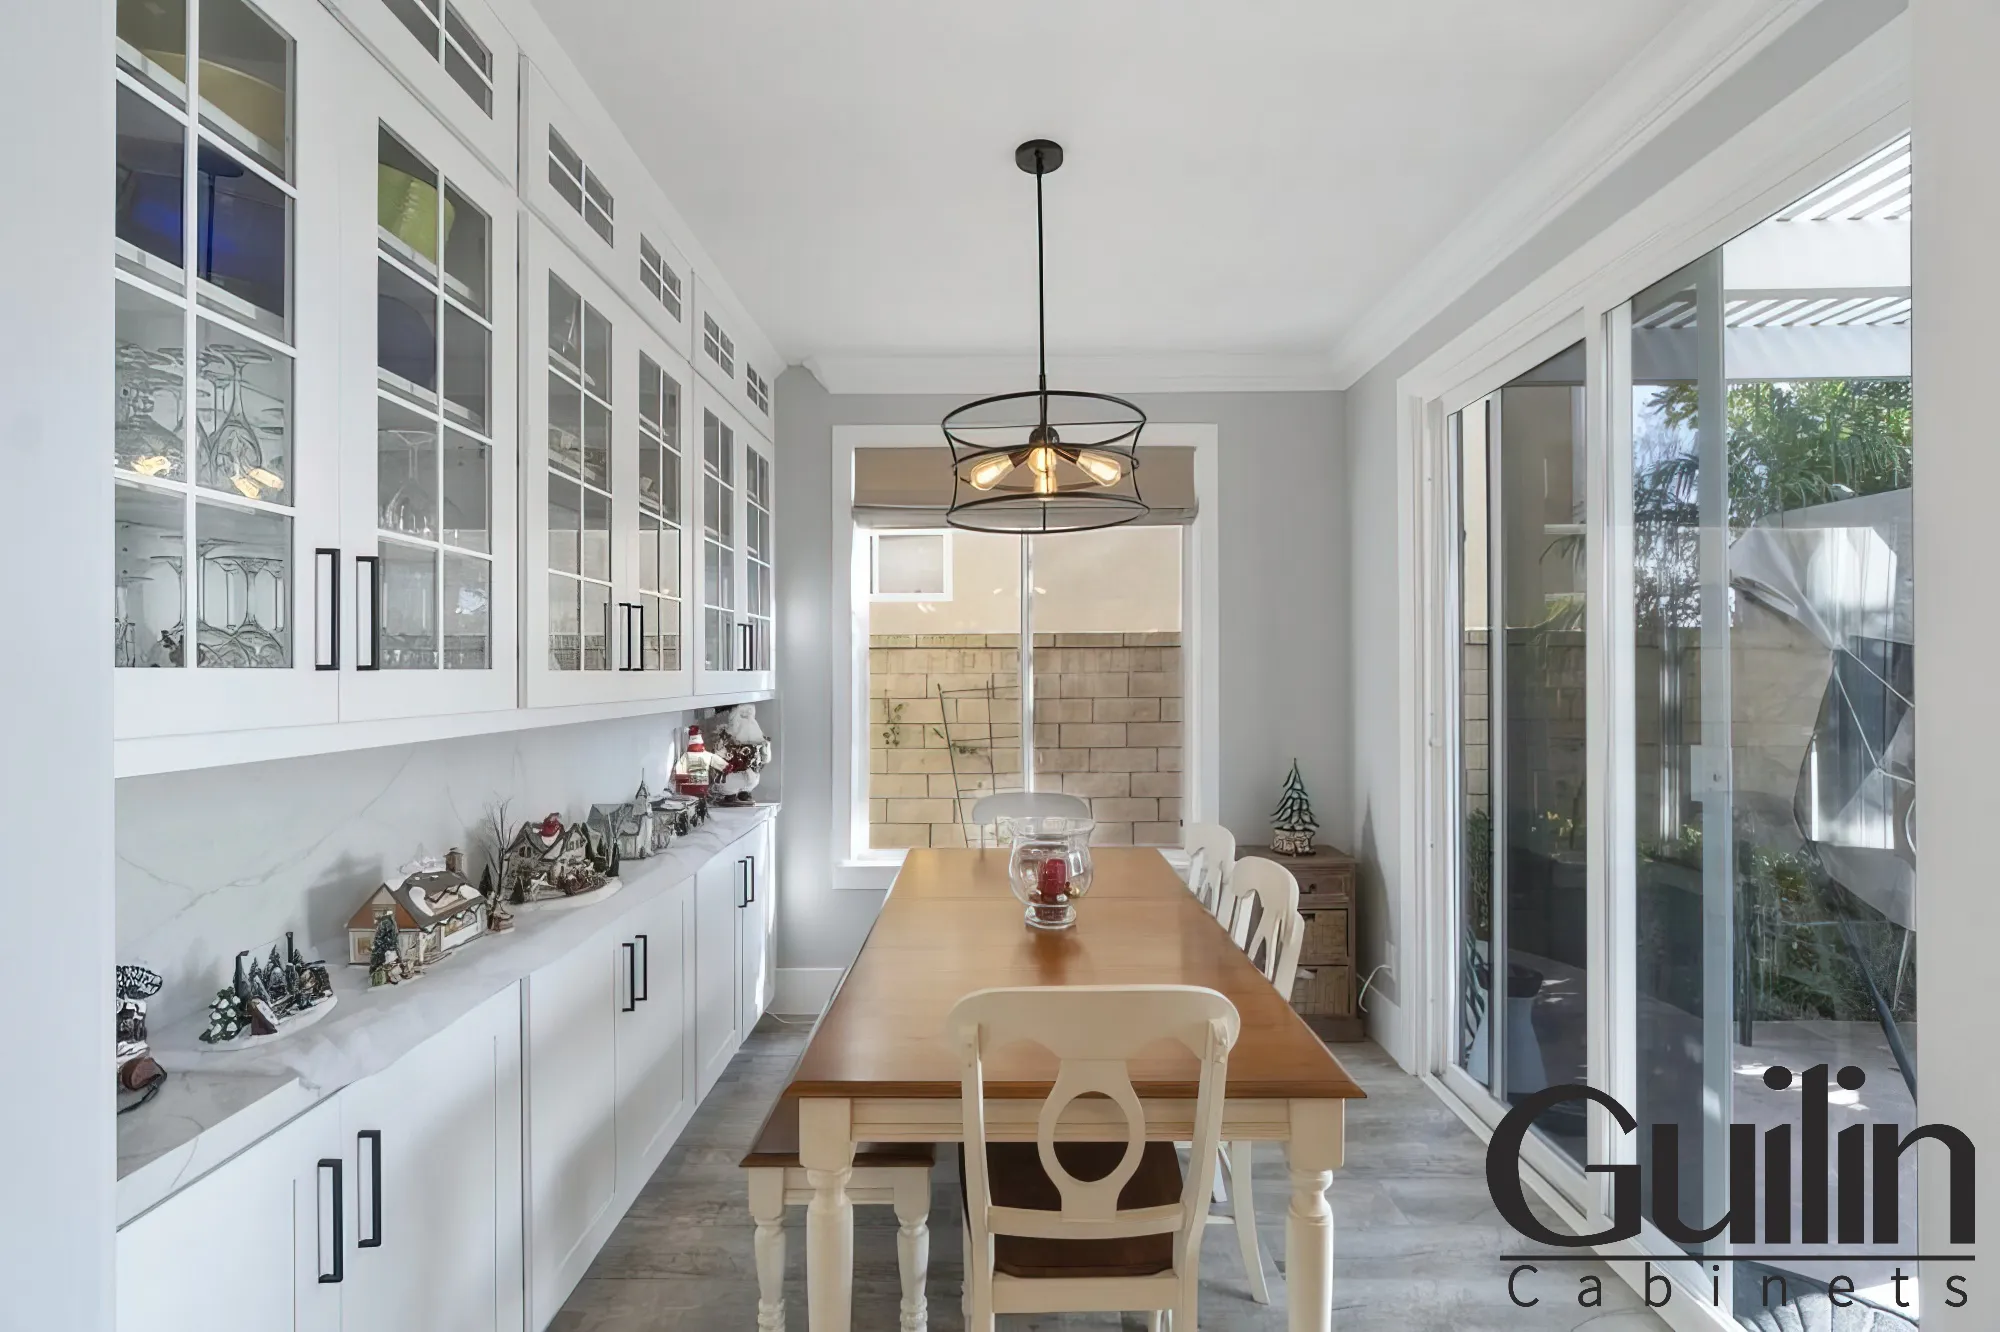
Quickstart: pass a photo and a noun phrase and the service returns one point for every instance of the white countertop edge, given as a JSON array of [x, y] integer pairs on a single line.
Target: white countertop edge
[[213, 1114]]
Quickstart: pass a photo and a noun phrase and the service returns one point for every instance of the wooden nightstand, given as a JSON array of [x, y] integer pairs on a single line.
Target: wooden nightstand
[[1325, 994]]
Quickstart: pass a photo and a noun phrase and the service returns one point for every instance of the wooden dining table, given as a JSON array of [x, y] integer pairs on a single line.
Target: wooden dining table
[[878, 1069]]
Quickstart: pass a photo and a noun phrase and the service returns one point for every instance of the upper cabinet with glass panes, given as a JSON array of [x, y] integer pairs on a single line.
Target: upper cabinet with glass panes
[[226, 364], [458, 59], [731, 355]]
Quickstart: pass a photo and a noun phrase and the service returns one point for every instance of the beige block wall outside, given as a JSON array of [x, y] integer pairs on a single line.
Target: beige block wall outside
[[1107, 722]]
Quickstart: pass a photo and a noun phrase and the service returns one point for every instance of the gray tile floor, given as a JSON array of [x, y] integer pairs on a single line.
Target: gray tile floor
[[1416, 1240]]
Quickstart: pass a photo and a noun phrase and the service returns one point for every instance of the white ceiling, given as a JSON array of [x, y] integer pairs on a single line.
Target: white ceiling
[[1243, 177]]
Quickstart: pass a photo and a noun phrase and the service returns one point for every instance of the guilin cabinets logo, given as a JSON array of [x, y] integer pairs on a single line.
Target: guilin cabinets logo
[[1832, 1196]]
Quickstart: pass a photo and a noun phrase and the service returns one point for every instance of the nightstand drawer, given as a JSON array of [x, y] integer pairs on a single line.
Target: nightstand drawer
[[1326, 937], [1324, 992]]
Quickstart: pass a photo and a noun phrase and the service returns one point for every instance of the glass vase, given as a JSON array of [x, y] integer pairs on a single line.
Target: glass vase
[[1049, 868]]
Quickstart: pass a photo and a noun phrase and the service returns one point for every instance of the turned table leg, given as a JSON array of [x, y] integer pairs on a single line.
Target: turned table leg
[[1313, 1153], [913, 1245], [767, 1209], [826, 1150]]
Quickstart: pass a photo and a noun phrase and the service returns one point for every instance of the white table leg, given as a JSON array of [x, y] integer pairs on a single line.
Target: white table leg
[[826, 1150], [913, 1245], [767, 1209], [1313, 1152]]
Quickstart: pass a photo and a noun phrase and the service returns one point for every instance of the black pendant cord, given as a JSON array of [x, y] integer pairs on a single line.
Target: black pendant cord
[[1041, 294]]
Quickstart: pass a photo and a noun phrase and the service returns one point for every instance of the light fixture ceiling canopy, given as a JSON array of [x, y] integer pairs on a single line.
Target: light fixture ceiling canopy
[[1044, 460]]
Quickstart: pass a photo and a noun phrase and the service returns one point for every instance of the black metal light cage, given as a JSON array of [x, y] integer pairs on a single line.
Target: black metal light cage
[[1046, 460]]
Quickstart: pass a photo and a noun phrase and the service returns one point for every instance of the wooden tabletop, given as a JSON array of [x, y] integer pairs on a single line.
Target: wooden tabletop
[[951, 926]]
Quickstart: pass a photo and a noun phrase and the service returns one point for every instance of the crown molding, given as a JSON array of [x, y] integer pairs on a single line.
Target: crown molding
[[1668, 76], [1136, 372]]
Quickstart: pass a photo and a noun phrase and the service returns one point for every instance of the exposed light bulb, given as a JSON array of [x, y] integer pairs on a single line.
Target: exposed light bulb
[[986, 473], [271, 481], [1042, 462], [1101, 468], [246, 487], [152, 465]]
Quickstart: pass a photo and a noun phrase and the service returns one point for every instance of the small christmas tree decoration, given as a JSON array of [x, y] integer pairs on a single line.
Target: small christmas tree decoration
[[382, 960], [228, 1017], [1292, 822]]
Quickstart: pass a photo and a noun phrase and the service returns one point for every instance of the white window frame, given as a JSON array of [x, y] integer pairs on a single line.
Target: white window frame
[[857, 866], [875, 564], [1847, 111]]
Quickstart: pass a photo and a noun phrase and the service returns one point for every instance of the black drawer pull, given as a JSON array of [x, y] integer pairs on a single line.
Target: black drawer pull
[[373, 1137], [339, 1272]]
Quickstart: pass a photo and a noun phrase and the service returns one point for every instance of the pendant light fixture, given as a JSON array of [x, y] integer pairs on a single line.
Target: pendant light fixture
[[1047, 460]]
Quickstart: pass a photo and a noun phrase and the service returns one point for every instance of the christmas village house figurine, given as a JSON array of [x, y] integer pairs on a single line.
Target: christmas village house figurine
[[135, 986], [548, 860], [434, 909], [1292, 822], [263, 997], [625, 831]]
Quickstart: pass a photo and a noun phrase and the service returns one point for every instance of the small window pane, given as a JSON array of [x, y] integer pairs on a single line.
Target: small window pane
[[152, 384], [406, 469], [565, 170], [152, 37], [597, 209], [596, 352], [406, 346], [245, 80], [646, 553], [244, 588], [151, 174], [243, 416], [909, 564], [596, 614], [418, 19], [565, 652], [409, 607], [565, 525], [406, 203], [466, 76], [649, 473], [468, 489], [467, 357], [242, 241], [468, 618], [670, 561], [596, 442], [596, 535], [465, 250], [152, 551], [649, 391], [565, 425], [566, 326]]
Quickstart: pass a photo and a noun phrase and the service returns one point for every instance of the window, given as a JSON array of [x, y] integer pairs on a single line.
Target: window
[[452, 42], [659, 279], [581, 188], [202, 444], [757, 388], [718, 535], [580, 504], [909, 566], [433, 446], [659, 548], [718, 346], [944, 678]]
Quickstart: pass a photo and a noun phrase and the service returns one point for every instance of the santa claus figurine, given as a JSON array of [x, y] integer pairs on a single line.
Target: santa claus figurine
[[744, 750]]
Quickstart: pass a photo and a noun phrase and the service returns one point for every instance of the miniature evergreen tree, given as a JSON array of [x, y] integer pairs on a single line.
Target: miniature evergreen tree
[[1292, 822], [228, 1017], [382, 957]]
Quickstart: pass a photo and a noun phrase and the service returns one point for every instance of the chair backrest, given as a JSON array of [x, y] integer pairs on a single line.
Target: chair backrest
[[1026, 805], [1267, 920], [1092, 1030], [1211, 852]]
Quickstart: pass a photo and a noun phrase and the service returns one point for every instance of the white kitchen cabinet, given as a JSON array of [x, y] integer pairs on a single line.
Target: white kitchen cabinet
[[655, 1057], [433, 1148], [256, 1243], [572, 1142], [720, 887], [428, 483], [604, 487], [737, 552], [226, 443], [457, 57], [755, 951]]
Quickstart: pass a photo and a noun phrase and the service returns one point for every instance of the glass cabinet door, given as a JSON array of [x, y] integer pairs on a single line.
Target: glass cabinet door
[[737, 552], [603, 481], [223, 450], [429, 467]]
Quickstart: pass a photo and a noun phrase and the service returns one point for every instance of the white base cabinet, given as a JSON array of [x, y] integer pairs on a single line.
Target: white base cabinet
[[468, 1186]]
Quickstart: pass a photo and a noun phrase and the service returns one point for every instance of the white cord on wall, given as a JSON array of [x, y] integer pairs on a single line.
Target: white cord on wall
[[1368, 980]]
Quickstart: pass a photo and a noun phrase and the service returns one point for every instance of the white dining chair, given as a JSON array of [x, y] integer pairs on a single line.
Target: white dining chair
[[990, 809], [1211, 852], [1272, 930], [1040, 1239], [893, 1174]]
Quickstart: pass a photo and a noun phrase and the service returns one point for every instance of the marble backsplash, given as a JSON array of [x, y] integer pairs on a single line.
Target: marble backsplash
[[222, 859]]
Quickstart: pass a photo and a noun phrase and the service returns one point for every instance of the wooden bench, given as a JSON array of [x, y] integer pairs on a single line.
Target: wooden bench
[[892, 1174]]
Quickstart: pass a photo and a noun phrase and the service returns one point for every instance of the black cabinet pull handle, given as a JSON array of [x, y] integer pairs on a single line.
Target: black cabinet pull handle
[[645, 986], [746, 647], [625, 609], [373, 1137], [326, 608], [631, 977], [751, 861], [368, 613], [339, 1272]]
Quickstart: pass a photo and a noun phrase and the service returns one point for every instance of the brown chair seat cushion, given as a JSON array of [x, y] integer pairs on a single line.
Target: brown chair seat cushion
[[777, 1144], [1015, 1177]]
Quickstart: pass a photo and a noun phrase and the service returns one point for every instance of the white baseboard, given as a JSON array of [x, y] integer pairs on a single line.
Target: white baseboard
[[804, 991], [1387, 1029]]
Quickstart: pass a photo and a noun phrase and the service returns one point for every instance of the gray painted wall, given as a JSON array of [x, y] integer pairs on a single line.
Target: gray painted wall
[[1284, 645], [1825, 34]]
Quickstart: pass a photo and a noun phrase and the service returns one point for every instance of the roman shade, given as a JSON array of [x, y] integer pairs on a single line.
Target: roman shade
[[911, 487]]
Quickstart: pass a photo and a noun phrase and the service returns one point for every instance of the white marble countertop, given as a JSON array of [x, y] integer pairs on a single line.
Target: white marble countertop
[[217, 1102]]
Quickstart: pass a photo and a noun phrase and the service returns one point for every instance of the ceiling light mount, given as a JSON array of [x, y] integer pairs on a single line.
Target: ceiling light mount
[[1046, 460]]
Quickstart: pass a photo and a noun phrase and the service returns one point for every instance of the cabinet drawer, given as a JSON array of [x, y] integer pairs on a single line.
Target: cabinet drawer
[[1334, 887], [1324, 992], [1326, 937]]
